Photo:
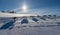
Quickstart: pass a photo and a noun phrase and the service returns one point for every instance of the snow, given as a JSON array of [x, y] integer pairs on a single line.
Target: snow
[[32, 31], [33, 28]]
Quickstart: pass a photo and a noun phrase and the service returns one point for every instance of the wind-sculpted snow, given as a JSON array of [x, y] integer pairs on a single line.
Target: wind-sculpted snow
[[32, 31], [26, 26]]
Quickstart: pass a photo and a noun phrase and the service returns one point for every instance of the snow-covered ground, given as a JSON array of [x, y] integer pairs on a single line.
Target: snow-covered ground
[[42, 27]]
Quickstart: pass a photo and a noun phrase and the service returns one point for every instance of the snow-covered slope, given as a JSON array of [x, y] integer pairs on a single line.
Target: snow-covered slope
[[42, 27]]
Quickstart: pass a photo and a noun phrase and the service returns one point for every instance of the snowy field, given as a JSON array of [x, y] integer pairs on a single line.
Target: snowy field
[[9, 26], [32, 31]]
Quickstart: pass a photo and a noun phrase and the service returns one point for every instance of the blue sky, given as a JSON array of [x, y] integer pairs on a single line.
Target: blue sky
[[36, 6]]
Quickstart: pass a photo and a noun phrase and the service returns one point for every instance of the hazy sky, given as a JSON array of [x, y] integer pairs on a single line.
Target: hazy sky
[[36, 6]]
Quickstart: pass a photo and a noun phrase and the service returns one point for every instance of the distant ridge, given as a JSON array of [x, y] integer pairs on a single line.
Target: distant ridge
[[14, 15]]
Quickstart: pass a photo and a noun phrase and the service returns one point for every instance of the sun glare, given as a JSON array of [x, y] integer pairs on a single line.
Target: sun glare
[[24, 8]]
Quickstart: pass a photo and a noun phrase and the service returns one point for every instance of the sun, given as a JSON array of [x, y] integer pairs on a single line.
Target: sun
[[24, 7]]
